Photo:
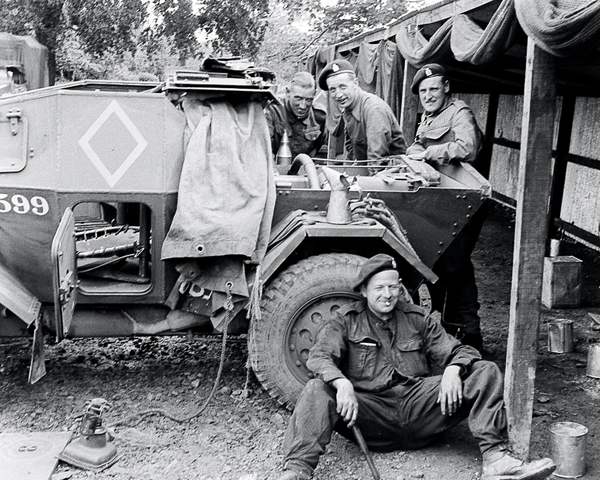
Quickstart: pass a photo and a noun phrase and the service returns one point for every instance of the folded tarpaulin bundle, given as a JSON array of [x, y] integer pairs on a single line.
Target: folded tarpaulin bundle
[[226, 191]]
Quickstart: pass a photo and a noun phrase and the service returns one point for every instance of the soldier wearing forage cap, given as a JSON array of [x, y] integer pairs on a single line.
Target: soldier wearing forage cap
[[448, 133], [372, 131], [373, 369]]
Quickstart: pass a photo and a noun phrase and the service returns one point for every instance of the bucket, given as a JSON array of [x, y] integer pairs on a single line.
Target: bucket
[[560, 336], [593, 361], [567, 447]]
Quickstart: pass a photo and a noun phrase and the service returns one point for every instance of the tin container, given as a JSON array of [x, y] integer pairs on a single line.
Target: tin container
[[560, 336], [593, 361], [567, 447]]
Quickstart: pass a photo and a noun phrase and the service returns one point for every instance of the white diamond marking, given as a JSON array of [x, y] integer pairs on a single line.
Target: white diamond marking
[[84, 143]]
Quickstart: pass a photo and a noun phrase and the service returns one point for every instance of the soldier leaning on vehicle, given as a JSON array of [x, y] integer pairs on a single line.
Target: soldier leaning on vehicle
[[296, 115], [448, 133], [371, 129]]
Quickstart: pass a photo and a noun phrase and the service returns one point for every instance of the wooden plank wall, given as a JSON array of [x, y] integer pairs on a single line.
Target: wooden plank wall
[[581, 201]]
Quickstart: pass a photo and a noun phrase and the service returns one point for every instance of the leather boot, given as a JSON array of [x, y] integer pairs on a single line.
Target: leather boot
[[508, 467], [291, 475]]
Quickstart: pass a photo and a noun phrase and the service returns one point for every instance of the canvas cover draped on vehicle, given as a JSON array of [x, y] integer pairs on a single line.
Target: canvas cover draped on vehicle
[[220, 230]]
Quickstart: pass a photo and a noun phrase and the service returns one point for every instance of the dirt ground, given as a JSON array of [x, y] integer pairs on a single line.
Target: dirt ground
[[238, 436]]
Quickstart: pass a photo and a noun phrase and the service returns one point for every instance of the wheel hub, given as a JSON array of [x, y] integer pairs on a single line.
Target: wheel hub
[[302, 331]]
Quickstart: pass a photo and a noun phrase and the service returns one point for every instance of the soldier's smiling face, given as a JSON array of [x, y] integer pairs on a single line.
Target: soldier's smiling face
[[434, 93], [382, 292], [343, 88]]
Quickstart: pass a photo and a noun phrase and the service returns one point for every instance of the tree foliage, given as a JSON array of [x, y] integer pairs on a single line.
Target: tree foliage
[[325, 23], [105, 30], [238, 26], [179, 23]]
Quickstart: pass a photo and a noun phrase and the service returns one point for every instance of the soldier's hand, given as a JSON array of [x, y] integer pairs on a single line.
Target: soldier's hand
[[347, 403], [450, 396]]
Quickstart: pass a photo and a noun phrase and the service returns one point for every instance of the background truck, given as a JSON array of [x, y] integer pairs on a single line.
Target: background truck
[[23, 64], [89, 180]]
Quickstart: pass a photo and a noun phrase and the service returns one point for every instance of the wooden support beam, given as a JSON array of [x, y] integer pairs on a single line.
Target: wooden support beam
[[535, 176], [485, 157], [410, 105], [563, 144]]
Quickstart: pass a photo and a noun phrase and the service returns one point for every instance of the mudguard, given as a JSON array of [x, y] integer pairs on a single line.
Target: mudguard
[[16, 298], [292, 230]]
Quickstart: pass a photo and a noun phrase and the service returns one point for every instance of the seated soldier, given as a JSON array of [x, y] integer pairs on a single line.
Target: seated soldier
[[372, 366]]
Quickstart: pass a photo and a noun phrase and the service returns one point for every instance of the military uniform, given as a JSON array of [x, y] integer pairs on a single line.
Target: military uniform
[[306, 135], [388, 363], [372, 130], [449, 136]]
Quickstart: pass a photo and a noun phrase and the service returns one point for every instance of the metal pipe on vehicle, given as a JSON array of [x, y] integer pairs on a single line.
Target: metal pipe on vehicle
[[304, 160]]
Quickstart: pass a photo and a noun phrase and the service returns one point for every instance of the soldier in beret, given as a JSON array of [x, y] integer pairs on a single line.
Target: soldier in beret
[[304, 123], [372, 364], [371, 129], [448, 133]]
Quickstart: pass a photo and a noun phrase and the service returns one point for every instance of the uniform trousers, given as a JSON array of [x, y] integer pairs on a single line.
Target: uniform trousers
[[456, 295], [402, 417]]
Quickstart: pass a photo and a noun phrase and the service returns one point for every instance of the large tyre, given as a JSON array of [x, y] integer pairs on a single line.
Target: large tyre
[[294, 306]]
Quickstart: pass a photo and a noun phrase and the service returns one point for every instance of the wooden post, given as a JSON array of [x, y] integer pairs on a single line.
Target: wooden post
[[485, 157], [535, 175], [563, 144], [410, 105]]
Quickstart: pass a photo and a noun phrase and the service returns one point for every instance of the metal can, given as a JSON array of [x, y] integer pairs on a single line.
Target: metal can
[[567, 447], [560, 336], [593, 361]]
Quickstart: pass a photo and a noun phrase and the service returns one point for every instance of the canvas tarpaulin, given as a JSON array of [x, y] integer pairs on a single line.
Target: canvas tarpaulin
[[225, 204], [366, 66], [226, 191], [385, 66], [418, 50], [473, 44], [462, 38], [561, 27]]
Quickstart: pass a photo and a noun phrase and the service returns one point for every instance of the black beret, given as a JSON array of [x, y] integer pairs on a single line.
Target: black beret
[[426, 71], [373, 265], [334, 68]]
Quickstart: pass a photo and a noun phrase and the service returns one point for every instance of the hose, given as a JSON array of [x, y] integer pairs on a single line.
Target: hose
[[303, 159]]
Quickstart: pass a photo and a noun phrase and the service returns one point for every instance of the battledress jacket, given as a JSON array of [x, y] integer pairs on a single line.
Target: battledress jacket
[[372, 130], [356, 345], [451, 135], [306, 135]]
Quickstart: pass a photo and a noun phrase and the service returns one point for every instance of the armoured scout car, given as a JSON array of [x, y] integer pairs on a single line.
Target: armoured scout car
[[90, 185]]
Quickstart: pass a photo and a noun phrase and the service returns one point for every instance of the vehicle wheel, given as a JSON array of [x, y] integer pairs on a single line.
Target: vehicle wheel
[[294, 307]]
